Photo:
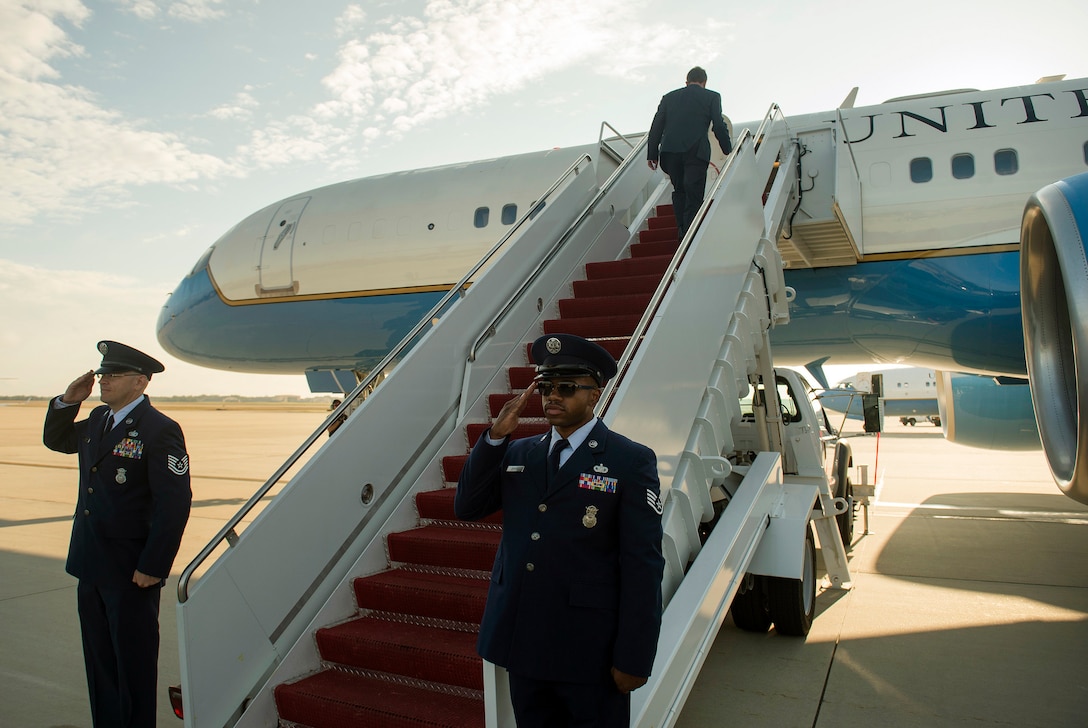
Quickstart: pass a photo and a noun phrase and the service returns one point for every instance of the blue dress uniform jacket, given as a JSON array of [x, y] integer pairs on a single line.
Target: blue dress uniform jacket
[[134, 492], [576, 585], [682, 120]]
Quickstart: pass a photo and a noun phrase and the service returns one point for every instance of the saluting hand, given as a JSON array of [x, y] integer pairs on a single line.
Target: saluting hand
[[507, 419], [79, 390]]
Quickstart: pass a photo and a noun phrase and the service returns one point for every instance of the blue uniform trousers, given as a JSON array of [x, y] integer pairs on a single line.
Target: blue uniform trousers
[[550, 704], [120, 628]]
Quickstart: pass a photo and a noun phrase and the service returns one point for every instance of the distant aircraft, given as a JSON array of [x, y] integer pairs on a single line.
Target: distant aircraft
[[905, 249], [909, 394]]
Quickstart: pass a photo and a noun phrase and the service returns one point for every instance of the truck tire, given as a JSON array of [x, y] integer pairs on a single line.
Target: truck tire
[[844, 489], [792, 602], [749, 607]]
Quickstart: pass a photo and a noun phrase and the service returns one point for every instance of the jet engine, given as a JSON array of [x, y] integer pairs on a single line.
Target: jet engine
[[1054, 305], [994, 413]]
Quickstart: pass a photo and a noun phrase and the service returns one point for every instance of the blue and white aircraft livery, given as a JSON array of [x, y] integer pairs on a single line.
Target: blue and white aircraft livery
[[942, 231]]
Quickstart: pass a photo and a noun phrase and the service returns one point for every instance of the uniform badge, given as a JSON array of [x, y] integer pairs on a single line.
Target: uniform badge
[[589, 520], [597, 482], [654, 501], [599, 468], [592, 443], [120, 477], [554, 345], [133, 433], [129, 448], [178, 466]]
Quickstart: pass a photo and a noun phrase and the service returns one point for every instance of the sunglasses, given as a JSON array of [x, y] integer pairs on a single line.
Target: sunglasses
[[565, 389]]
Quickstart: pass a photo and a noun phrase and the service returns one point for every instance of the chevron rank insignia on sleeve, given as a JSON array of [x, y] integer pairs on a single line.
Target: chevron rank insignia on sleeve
[[178, 466]]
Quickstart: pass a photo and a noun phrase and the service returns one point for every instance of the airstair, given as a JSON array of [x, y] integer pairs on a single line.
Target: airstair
[[354, 597]]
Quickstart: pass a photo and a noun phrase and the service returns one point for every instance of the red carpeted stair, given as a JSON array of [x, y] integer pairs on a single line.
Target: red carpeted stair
[[409, 659]]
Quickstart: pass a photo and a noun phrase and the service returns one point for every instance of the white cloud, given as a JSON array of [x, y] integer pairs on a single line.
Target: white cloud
[[142, 9], [62, 151], [196, 11], [460, 55], [350, 21], [240, 109], [193, 11]]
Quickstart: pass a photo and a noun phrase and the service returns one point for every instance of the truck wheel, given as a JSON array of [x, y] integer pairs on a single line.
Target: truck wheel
[[792, 602], [749, 608], [844, 489], [911, 421]]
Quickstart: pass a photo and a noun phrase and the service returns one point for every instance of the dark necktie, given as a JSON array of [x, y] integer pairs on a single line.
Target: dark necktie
[[109, 426], [553, 458]]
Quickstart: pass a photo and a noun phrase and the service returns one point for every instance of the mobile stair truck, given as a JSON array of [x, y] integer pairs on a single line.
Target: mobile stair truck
[[353, 597]]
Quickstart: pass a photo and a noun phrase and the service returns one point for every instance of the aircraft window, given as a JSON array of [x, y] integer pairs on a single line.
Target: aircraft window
[[1005, 161], [921, 169], [509, 214], [480, 219], [963, 166]]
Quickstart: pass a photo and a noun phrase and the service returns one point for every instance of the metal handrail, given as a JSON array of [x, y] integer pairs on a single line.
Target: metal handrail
[[227, 532], [666, 281], [600, 136], [489, 330]]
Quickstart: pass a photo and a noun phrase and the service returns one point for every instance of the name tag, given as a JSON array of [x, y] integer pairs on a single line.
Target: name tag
[[515, 468], [597, 482]]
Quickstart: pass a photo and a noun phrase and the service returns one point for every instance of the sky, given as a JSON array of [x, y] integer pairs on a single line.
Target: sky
[[133, 133]]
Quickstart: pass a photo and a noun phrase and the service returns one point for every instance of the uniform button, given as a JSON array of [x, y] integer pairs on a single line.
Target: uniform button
[[535, 536], [529, 567], [542, 507], [90, 490], [94, 469], [86, 513]]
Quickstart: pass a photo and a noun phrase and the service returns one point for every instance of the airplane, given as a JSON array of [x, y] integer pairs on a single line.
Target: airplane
[[911, 245], [908, 393]]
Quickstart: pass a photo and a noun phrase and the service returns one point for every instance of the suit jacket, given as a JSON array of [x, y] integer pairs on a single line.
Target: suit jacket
[[576, 585], [134, 492], [682, 120]]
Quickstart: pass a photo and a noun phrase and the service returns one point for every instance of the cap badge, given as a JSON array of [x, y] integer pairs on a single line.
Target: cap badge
[[589, 520], [102, 347], [120, 478], [554, 345]]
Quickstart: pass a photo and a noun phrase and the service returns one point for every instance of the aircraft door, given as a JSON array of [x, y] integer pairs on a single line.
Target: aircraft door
[[277, 249]]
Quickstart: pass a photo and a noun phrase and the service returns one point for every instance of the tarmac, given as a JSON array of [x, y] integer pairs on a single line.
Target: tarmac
[[969, 603]]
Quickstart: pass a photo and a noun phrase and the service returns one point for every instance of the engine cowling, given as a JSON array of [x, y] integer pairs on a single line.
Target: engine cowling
[[986, 412], [1054, 305]]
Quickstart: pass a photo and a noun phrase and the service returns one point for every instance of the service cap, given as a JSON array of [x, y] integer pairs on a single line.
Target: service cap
[[117, 357], [567, 355]]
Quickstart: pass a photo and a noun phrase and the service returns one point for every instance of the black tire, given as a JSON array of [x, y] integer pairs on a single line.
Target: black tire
[[844, 489], [792, 602], [911, 421], [749, 608]]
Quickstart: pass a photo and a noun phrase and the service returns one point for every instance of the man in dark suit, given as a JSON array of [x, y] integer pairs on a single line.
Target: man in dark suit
[[133, 504], [678, 139], [574, 607]]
